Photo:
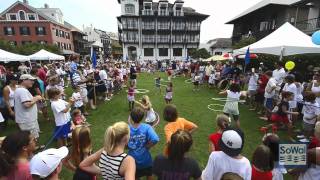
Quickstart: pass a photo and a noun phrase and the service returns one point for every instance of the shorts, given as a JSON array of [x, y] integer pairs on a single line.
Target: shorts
[[144, 172], [196, 83], [131, 98], [268, 103], [307, 127], [84, 93], [235, 117], [32, 126], [259, 97], [206, 78], [61, 132], [275, 118], [252, 93]]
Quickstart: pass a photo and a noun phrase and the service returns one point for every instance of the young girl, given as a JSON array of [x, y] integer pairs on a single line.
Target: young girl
[[158, 83], [212, 79], [147, 106], [114, 163], [222, 124], [311, 113], [78, 102], [233, 98], [262, 163], [131, 92], [61, 112], [169, 93], [282, 111], [196, 82], [81, 149], [78, 118]]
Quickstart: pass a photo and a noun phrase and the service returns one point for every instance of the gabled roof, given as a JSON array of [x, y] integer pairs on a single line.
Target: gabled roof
[[262, 4], [34, 10], [73, 28], [221, 43]]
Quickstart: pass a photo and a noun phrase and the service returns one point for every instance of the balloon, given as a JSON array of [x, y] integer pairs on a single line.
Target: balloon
[[290, 65], [316, 37]]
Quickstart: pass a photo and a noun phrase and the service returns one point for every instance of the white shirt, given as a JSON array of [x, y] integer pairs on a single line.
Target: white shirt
[[253, 82], [209, 69], [220, 163], [310, 112], [293, 89], [103, 75], [23, 114], [60, 117], [312, 173], [279, 75], [269, 93], [78, 102]]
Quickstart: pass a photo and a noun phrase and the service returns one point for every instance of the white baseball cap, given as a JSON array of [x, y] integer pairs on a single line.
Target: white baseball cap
[[27, 77], [45, 162], [232, 141]]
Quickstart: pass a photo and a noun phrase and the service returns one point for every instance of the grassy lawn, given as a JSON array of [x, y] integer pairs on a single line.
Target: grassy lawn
[[191, 105]]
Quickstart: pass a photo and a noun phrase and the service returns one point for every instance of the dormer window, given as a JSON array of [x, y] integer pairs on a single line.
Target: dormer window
[[129, 9], [22, 15], [32, 17], [13, 17]]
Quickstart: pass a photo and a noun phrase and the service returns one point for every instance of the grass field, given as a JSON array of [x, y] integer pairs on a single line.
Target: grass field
[[191, 105]]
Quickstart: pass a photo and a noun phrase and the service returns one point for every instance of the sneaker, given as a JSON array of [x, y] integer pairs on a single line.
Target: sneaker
[[107, 99], [300, 136], [263, 118], [304, 140]]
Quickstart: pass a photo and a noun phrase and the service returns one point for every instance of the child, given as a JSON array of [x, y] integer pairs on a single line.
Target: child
[[212, 79], [142, 138], [131, 92], [158, 83], [315, 140], [233, 98], [196, 82], [78, 118], [169, 93], [222, 124], [78, 102], [262, 163], [170, 114], [282, 111], [311, 113], [147, 107], [252, 88], [169, 72], [60, 109]]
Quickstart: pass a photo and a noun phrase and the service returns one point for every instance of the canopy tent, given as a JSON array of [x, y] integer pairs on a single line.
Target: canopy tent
[[44, 55], [69, 52], [6, 56], [285, 41], [216, 58]]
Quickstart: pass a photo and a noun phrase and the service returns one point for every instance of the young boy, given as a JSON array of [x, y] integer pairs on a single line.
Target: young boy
[[158, 83], [142, 138], [78, 102], [196, 82], [61, 112], [252, 88], [311, 114]]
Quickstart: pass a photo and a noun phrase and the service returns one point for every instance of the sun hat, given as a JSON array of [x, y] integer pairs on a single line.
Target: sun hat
[[45, 162], [232, 141], [27, 77]]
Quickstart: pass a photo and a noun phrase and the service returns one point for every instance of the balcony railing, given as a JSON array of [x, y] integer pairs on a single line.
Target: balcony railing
[[148, 26], [163, 40], [130, 40], [147, 12], [178, 27], [193, 28], [130, 26], [309, 26], [178, 13], [163, 26], [163, 13]]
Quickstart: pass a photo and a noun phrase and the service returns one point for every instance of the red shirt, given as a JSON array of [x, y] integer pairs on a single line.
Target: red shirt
[[42, 75], [258, 175], [314, 143], [264, 80], [214, 138]]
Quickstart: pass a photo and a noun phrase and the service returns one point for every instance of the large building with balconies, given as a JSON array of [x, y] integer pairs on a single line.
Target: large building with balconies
[[158, 30]]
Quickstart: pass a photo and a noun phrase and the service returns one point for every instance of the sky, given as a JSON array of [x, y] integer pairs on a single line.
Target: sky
[[102, 13]]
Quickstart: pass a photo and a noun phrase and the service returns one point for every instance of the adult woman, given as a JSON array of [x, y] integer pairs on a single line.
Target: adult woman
[[113, 162], [16, 150], [177, 164], [315, 85], [8, 96]]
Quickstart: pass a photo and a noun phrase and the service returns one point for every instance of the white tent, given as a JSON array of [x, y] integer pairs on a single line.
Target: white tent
[[285, 41], [6, 56], [44, 55]]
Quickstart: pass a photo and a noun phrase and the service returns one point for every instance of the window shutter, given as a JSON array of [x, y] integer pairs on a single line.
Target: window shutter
[[37, 32], [5, 30], [44, 31], [28, 30], [13, 32], [21, 30]]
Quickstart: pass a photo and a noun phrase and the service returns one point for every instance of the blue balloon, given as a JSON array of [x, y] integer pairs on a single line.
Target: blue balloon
[[316, 38]]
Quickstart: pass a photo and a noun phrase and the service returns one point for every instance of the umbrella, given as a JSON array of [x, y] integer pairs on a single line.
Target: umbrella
[[252, 56], [216, 58]]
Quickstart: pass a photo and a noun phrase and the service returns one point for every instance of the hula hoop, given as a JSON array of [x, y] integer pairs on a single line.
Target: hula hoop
[[189, 81], [215, 110], [155, 123], [140, 91], [165, 81], [226, 100]]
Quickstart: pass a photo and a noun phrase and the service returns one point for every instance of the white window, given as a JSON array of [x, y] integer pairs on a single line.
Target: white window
[[32, 17], [12, 16], [129, 9], [22, 15]]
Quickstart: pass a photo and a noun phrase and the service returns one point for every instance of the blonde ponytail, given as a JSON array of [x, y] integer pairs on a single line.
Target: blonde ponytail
[[114, 135]]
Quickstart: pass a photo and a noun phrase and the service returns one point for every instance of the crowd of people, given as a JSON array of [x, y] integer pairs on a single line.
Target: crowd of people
[[282, 98]]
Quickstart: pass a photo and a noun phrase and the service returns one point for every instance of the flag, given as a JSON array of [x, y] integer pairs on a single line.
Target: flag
[[247, 57], [94, 59]]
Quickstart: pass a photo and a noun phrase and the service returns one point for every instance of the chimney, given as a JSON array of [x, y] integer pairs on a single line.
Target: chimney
[[46, 6], [25, 2]]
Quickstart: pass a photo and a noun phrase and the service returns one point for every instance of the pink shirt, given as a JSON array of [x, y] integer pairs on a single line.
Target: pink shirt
[[21, 172]]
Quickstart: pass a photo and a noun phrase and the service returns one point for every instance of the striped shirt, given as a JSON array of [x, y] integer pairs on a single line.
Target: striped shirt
[[110, 166]]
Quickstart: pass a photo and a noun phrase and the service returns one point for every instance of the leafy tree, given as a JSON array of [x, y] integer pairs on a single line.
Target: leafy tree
[[245, 41], [199, 53]]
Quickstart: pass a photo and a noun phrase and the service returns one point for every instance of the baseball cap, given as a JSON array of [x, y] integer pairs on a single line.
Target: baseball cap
[[45, 162], [27, 77], [232, 141], [13, 77]]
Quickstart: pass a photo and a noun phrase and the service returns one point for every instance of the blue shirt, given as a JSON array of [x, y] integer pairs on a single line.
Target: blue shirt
[[139, 138]]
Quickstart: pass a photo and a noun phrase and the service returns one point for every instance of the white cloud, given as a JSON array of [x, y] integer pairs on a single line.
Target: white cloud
[[102, 13]]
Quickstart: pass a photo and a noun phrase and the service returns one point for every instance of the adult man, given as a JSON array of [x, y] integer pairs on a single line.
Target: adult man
[[26, 112], [279, 73], [229, 159]]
